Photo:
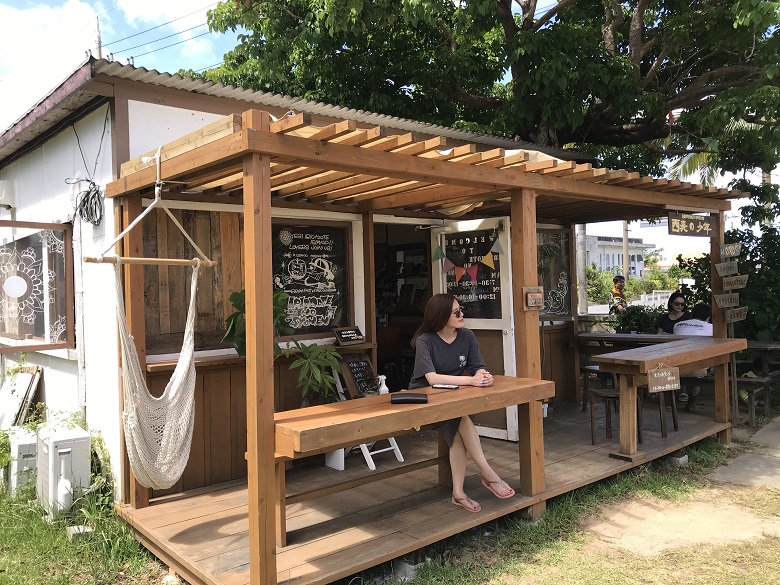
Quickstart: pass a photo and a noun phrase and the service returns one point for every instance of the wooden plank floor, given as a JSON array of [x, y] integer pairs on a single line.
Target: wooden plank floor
[[203, 536]]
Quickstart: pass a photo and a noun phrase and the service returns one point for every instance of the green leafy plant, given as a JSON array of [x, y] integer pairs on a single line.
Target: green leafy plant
[[316, 363], [638, 318], [235, 331], [315, 377], [5, 449]]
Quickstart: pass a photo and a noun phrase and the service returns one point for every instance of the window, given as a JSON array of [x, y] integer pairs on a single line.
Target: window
[[36, 286]]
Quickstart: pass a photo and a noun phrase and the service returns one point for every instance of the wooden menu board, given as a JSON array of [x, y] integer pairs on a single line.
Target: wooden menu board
[[309, 264], [359, 375]]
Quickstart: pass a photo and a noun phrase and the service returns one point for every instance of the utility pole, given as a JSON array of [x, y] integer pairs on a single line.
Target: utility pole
[[625, 249], [99, 48], [582, 275]]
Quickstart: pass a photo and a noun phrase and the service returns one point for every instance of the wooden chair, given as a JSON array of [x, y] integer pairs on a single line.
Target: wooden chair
[[610, 397], [604, 377]]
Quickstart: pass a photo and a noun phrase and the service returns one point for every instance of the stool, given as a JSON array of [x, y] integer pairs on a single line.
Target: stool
[[586, 372], [611, 398]]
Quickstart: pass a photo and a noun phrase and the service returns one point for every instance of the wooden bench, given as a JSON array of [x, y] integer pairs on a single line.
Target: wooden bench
[[318, 429], [750, 385]]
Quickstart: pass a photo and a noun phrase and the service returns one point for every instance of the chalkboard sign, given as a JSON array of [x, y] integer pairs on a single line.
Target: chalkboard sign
[[309, 264], [359, 375], [348, 335], [480, 296]]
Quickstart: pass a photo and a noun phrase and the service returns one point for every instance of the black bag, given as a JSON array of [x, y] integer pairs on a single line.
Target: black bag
[[408, 398]]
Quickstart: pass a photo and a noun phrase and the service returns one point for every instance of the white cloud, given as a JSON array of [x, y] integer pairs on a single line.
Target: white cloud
[[39, 47]]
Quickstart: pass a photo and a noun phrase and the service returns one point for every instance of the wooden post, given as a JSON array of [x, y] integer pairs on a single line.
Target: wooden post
[[136, 317], [369, 279], [527, 346], [722, 408], [258, 279], [627, 414]]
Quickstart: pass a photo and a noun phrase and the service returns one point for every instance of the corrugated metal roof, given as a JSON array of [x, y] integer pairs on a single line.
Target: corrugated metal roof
[[72, 95]]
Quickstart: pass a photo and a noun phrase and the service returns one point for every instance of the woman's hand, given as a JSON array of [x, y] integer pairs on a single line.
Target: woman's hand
[[482, 378]]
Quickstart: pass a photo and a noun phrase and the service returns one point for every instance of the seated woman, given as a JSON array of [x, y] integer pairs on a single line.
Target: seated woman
[[676, 312], [448, 353]]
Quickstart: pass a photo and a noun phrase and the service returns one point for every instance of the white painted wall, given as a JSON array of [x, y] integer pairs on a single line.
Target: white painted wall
[[84, 380], [152, 125]]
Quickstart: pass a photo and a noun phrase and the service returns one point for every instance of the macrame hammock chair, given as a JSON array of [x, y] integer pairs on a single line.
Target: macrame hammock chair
[[158, 430]]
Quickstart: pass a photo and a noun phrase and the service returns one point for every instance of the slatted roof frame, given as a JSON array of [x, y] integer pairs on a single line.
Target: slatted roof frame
[[346, 167]]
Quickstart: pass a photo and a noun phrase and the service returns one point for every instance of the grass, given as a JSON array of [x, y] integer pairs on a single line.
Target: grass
[[34, 550], [554, 551]]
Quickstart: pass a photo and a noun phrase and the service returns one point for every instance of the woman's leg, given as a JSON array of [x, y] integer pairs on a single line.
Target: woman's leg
[[467, 432], [458, 467]]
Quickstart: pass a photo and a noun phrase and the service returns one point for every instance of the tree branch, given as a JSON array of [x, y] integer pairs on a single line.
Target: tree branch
[[613, 19], [528, 9], [475, 101], [654, 68], [743, 75], [635, 36], [552, 12]]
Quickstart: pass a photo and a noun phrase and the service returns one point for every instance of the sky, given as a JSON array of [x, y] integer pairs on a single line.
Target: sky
[[41, 43]]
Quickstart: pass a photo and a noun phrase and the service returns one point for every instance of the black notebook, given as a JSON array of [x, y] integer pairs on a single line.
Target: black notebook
[[408, 398]]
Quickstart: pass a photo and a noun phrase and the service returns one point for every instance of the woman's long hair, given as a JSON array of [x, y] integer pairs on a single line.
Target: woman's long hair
[[437, 312], [672, 297]]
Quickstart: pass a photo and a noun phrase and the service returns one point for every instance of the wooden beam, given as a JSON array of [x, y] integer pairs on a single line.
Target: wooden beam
[[258, 280], [369, 281], [527, 344], [290, 123]]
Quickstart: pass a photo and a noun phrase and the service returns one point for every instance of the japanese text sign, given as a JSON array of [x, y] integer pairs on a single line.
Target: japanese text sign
[[686, 224], [663, 378]]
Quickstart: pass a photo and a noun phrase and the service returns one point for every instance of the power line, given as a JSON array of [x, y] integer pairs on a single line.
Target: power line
[[209, 67], [155, 27], [176, 34], [172, 45]]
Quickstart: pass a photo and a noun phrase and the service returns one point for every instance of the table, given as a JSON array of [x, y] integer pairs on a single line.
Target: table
[[317, 429], [765, 349], [687, 353]]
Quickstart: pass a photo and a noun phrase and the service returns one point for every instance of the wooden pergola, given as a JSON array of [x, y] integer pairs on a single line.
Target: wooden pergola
[[262, 163]]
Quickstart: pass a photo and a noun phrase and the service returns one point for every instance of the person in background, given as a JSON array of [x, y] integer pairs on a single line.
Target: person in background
[[676, 311], [448, 353], [617, 300], [698, 324]]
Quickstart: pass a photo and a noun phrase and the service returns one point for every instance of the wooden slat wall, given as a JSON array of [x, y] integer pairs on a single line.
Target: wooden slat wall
[[219, 436], [166, 288]]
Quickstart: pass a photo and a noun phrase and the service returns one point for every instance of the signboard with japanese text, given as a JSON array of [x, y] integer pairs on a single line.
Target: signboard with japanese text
[[727, 301], [735, 282], [662, 379], [727, 268], [739, 314], [686, 224], [476, 281]]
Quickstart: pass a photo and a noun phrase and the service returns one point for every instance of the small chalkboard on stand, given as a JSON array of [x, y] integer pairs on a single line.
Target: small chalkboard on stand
[[348, 335], [359, 375]]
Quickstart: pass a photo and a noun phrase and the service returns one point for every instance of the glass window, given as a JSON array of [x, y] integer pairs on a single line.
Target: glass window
[[36, 286]]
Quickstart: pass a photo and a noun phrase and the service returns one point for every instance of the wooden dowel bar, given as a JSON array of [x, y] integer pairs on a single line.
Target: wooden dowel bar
[[149, 261]]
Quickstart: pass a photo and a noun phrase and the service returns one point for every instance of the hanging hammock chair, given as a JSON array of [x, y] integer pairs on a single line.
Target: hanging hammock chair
[[158, 431]]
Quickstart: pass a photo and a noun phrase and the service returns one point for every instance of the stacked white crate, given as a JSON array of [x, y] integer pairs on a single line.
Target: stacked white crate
[[22, 466], [63, 466]]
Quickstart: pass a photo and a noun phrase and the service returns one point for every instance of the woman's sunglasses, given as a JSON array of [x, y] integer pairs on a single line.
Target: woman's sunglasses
[[458, 312], [679, 304]]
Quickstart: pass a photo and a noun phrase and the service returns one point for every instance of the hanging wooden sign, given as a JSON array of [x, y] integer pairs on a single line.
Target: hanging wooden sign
[[686, 224], [735, 282], [730, 250], [739, 314], [726, 301], [727, 268], [663, 378]]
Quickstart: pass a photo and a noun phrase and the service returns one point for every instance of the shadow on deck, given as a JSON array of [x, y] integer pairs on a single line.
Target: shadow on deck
[[204, 538]]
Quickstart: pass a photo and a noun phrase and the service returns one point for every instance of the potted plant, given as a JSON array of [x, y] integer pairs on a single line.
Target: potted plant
[[316, 362]]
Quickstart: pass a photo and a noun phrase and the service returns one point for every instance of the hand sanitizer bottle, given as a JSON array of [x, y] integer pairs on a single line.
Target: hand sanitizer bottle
[[383, 389]]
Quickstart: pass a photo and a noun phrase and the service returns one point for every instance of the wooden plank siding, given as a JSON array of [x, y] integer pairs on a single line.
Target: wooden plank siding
[[219, 435], [166, 288], [343, 533]]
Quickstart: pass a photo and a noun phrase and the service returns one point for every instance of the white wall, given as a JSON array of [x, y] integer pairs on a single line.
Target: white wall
[[152, 125], [84, 380]]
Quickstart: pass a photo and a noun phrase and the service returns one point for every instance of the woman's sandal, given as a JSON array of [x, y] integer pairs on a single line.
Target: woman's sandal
[[465, 502], [505, 494]]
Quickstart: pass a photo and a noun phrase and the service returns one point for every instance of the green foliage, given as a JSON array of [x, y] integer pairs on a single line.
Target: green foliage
[[316, 363], [5, 448], [760, 260], [566, 74], [599, 284], [235, 331], [638, 318]]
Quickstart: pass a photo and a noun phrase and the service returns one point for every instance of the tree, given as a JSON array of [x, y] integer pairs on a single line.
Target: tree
[[634, 82]]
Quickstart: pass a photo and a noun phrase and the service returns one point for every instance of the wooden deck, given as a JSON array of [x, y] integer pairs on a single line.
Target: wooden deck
[[203, 536]]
